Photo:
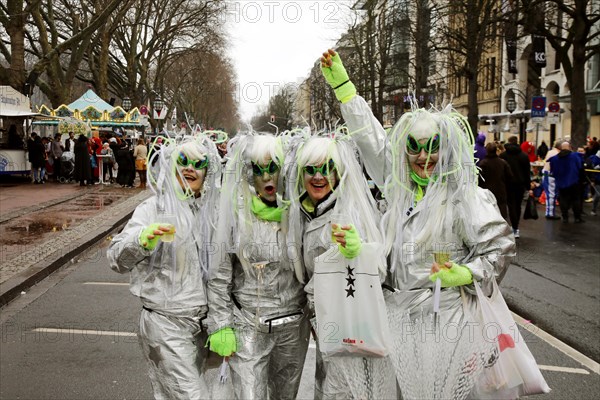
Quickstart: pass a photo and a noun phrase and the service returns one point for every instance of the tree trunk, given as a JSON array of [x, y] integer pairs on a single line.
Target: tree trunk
[[473, 115], [15, 28], [102, 84], [579, 118]]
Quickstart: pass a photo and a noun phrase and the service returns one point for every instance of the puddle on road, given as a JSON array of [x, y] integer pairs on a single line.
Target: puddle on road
[[19, 234]]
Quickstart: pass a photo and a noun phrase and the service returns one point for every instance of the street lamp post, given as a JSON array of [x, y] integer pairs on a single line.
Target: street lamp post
[[158, 105], [126, 105], [511, 106]]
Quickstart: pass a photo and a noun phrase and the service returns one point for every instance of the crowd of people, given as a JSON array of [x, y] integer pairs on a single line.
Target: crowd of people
[[241, 249], [567, 179], [66, 158]]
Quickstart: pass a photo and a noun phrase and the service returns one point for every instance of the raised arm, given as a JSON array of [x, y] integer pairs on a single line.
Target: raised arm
[[364, 128]]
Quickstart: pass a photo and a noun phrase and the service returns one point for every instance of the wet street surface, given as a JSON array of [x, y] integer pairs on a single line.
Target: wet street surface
[[19, 233], [42, 226]]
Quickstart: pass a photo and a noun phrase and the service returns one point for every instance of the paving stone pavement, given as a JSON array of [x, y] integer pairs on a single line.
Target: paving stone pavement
[[26, 268]]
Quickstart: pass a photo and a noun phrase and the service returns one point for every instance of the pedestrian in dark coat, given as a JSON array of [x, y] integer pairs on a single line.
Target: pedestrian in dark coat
[[83, 166], [520, 168], [37, 158], [495, 175], [542, 150], [126, 172]]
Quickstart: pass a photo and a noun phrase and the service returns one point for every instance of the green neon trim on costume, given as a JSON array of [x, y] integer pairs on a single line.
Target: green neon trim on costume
[[264, 212]]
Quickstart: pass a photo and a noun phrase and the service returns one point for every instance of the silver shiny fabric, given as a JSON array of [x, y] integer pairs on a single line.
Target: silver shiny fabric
[[169, 282], [354, 378], [268, 365], [480, 238], [272, 328], [340, 377], [174, 350]]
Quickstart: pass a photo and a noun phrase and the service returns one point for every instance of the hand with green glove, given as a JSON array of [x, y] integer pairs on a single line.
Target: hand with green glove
[[222, 342], [335, 74], [347, 239], [451, 274], [151, 234]]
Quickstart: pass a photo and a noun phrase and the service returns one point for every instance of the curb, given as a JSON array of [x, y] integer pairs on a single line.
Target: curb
[[13, 287]]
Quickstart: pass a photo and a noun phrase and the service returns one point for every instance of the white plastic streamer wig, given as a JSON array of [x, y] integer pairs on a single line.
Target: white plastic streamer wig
[[454, 177], [176, 203], [352, 194], [235, 206]]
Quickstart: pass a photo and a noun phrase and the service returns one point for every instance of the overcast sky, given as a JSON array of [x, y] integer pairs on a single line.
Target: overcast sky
[[274, 43]]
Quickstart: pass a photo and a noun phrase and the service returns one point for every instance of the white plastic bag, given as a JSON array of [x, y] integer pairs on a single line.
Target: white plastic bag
[[515, 372], [351, 313]]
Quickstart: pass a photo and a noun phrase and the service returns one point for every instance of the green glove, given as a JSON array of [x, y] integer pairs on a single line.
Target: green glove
[[145, 241], [353, 242], [222, 342], [335, 74], [458, 275]]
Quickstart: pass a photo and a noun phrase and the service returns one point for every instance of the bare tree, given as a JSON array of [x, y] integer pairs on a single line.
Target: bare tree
[[371, 36], [280, 109], [153, 35], [468, 37], [202, 84], [324, 107], [55, 36], [571, 28]]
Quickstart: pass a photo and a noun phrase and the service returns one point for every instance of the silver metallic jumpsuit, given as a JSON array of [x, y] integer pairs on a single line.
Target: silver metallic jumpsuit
[[480, 238], [169, 282], [255, 291]]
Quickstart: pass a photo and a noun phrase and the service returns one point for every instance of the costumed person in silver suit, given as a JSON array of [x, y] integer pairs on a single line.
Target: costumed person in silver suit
[[440, 229], [257, 306], [324, 179], [163, 247]]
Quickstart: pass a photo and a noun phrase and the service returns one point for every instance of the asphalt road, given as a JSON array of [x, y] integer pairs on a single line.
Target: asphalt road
[[555, 280]]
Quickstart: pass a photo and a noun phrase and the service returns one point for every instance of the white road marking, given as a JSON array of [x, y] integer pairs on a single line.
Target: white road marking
[[564, 369], [84, 332], [551, 340], [557, 344]]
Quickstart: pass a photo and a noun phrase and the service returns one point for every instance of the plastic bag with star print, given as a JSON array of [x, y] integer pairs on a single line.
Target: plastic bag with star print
[[349, 304]]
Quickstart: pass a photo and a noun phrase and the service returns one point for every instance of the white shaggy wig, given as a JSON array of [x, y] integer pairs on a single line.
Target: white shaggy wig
[[175, 202], [453, 178], [235, 206], [352, 195]]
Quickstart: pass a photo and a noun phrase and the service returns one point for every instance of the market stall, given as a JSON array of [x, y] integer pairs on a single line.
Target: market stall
[[15, 123], [91, 110]]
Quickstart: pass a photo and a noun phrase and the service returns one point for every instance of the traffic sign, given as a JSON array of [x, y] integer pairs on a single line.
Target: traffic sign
[[554, 107], [553, 118], [143, 110], [538, 108]]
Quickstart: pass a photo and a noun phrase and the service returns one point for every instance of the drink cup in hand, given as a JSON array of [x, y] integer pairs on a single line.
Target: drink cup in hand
[[441, 258], [168, 221], [338, 220]]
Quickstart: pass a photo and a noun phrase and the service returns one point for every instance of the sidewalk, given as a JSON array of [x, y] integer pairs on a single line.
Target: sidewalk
[[44, 226]]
